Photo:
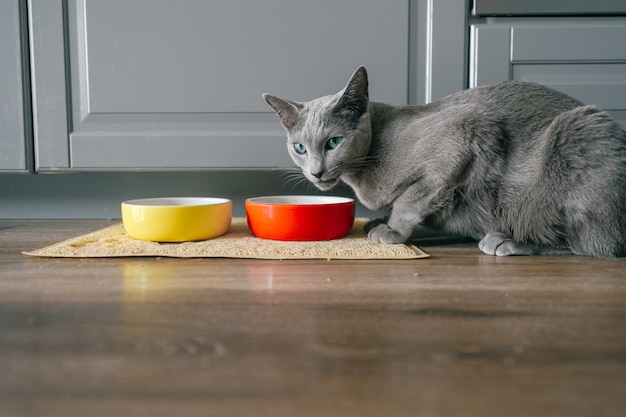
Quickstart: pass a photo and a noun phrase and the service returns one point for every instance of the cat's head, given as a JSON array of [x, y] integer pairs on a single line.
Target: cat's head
[[330, 136]]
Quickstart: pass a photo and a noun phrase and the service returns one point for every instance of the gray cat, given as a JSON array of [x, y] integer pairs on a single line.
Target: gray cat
[[522, 168]]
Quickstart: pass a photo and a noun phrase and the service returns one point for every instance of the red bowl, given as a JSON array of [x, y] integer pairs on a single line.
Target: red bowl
[[299, 218]]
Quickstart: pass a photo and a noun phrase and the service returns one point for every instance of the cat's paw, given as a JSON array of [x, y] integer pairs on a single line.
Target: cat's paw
[[382, 233], [499, 244], [372, 224]]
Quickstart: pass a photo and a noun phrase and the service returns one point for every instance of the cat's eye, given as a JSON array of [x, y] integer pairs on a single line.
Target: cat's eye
[[299, 148], [333, 142]]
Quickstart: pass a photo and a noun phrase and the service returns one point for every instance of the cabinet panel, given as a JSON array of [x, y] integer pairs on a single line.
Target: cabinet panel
[[548, 7], [48, 83], [160, 56], [13, 135], [585, 60], [489, 61], [568, 42], [155, 84]]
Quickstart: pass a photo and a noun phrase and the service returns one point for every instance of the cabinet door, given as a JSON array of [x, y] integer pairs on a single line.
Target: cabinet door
[[585, 58], [160, 84], [13, 135]]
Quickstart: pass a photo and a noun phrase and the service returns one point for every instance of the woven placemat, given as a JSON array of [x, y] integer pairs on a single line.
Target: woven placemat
[[237, 243]]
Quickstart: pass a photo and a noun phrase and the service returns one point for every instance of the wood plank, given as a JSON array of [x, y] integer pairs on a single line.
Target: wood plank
[[460, 333]]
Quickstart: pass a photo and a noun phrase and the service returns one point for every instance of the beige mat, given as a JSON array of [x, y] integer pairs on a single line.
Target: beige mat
[[237, 243]]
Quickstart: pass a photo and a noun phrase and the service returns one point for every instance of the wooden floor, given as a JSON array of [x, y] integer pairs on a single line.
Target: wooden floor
[[459, 334]]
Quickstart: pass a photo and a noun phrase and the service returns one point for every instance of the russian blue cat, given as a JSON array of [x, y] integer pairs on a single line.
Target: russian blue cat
[[520, 167]]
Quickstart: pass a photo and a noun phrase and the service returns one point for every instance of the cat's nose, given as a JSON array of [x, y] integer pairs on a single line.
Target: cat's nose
[[316, 167], [317, 174]]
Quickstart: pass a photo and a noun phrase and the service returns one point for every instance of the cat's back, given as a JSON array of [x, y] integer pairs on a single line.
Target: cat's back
[[522, 106], [517, 94]]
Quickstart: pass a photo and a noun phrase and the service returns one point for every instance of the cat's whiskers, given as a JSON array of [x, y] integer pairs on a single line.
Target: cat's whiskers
[[294, 178], [357, 164]]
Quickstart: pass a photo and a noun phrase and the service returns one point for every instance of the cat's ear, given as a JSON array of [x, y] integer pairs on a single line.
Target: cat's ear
[[288, 111], [355, 96]]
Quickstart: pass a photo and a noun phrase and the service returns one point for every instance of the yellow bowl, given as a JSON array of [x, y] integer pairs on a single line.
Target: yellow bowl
[[176, 219]]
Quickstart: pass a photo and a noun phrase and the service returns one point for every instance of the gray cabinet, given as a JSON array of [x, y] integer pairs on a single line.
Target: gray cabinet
[[14, 135], [583, 57], [176, 85]]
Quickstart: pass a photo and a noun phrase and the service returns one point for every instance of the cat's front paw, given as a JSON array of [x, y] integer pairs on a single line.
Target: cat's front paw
[[372, 224], [499, 244], [382, 233]]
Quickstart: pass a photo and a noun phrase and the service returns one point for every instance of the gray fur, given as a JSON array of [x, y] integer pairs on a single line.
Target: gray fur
[[520, 167]]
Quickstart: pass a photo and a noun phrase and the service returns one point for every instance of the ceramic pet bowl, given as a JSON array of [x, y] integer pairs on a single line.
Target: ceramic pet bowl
[[176, 219], [299, 218]]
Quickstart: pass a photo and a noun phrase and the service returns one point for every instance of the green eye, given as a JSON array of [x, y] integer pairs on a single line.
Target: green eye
[[299, 148], [333, 142]]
